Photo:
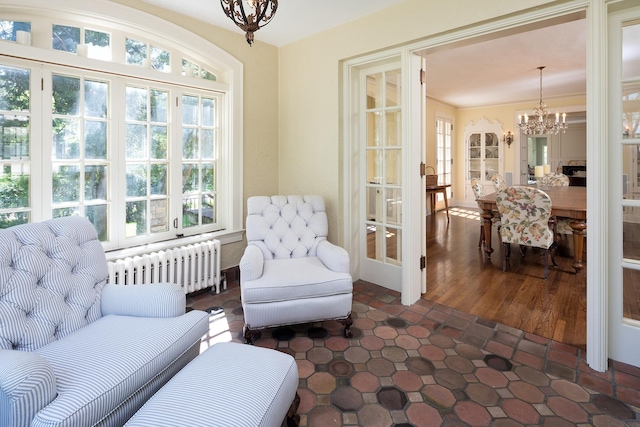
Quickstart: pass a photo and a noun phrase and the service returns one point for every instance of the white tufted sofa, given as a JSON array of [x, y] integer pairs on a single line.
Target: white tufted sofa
[[75, 351], [290, 273]]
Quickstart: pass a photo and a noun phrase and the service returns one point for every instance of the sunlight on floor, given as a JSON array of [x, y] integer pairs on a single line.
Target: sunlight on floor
[[465, 213], [218, 329]]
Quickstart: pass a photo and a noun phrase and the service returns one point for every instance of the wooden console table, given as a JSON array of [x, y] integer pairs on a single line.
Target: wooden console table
[[433, 190]]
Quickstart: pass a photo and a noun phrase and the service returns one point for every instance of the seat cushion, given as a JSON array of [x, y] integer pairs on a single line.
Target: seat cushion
[[295, 279], [231, 385], [102, 364]]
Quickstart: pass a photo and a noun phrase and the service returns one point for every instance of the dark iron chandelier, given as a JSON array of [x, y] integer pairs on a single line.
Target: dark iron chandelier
[[540, 123], [261, 13]]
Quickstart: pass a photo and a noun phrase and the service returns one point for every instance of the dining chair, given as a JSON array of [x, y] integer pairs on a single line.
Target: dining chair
[[524, 215], [478, 191], [553, 179], [561, 225], [498, 181]]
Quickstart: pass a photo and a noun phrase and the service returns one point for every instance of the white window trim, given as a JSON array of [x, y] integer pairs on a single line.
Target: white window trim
[[229, 71]]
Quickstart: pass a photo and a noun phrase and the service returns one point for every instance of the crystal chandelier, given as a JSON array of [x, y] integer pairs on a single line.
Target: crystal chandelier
[[540, 123], [260, 13]]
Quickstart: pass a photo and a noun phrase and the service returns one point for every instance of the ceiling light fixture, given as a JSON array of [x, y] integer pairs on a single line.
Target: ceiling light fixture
[[261, 13], [540, 123]]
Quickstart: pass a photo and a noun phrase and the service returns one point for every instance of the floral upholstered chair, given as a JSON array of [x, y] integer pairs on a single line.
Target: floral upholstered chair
[[554, 180], [478, 191], [498, 181], [561, 225], [524, 213]]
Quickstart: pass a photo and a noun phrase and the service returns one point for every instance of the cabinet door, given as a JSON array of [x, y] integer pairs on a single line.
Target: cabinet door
[[475, 156], [491, 154], [483, 154]]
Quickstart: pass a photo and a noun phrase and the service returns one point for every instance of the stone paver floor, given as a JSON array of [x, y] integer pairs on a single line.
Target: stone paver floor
[[430, 365]]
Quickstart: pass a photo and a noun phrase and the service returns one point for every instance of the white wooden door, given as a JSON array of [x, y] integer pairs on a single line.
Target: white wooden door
[[624, 213], [382, 170], [444, 159]]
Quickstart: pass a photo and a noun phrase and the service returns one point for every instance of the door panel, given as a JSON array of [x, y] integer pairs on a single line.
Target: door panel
[[382, 178], [624, 275]]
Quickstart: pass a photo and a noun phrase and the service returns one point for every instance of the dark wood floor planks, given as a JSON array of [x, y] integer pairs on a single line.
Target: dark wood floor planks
[[461, 276]]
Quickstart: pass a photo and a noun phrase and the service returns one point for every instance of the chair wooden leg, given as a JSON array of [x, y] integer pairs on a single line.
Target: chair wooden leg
[[506, 247], [546, 264], [347, 322], [553, 249], [481, 241], [250, 334], [293, 419]]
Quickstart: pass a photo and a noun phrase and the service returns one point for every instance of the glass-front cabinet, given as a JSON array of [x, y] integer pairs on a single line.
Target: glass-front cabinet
[[483, 153]]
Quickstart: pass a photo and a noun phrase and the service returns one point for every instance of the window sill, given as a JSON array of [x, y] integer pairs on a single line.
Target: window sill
[[224, 237]]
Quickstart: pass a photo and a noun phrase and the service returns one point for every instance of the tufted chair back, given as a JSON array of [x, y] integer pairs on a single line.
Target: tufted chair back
[[51, 277], [286, 226]]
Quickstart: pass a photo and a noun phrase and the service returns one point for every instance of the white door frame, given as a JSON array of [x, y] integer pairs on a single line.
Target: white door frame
[[597, 262]]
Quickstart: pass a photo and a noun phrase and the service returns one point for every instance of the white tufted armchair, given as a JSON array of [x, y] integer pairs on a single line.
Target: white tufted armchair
[[289, 272]]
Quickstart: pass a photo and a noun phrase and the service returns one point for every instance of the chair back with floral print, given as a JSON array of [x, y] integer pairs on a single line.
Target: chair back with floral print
[[477, 187], [554, 180], [524, 214], [498, 181]]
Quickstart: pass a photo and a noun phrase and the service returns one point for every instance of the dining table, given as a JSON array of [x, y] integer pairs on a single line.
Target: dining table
[[568, 202]]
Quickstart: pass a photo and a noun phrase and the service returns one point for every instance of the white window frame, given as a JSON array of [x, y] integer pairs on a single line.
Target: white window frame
[[182, 44]]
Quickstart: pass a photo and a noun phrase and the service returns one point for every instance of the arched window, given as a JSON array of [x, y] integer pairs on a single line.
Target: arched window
[[136, 127]]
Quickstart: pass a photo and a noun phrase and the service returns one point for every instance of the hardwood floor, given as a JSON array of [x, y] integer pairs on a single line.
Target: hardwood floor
[[461, 276]]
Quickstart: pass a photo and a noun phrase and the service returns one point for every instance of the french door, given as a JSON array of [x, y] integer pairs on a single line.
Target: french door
[[444, 159], [624, 139], [381, 176]]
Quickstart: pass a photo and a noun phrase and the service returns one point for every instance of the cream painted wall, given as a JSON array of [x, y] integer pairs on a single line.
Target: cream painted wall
[[310, 86], [505, 114], [260, 107]]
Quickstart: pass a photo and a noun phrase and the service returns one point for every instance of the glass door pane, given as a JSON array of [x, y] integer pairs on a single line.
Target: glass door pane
[[383, 169], [631, 169]]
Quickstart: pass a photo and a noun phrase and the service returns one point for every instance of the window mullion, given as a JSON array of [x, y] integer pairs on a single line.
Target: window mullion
[[41, 151]]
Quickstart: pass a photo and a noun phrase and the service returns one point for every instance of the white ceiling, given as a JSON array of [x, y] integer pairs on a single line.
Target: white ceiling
[[497, 71], [294, 19], [504, 70]]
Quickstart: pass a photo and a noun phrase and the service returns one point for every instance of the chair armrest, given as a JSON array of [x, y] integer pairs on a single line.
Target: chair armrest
[[335, 258], [145, 300], [27, 384], [251, 263]]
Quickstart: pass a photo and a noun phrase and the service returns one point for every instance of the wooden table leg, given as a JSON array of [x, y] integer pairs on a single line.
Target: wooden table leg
[[578, 228], [487, 217], [446, 204]]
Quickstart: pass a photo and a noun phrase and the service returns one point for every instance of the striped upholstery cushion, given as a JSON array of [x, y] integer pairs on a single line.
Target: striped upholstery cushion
[[230, 385], [27, 383], [51, 276], [99, 366], [294, 279]]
